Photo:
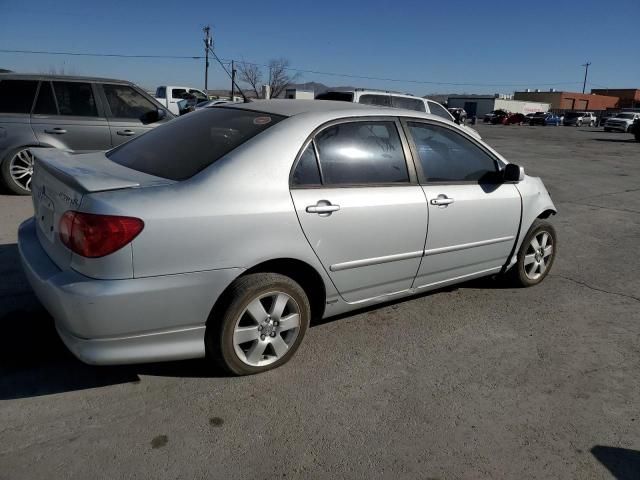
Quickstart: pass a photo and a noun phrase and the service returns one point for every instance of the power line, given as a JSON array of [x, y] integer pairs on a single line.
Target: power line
[[292, 69]]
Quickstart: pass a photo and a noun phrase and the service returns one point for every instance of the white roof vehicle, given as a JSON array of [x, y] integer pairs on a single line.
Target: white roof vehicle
[[384, 98]]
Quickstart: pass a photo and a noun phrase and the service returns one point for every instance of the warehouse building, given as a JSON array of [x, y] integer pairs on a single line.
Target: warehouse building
[[627, 97], [480, 105], [569, 100]]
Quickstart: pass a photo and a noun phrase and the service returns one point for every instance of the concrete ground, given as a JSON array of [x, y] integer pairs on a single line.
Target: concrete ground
[[471, 382]]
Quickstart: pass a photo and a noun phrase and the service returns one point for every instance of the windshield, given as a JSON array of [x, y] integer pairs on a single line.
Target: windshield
[[573, 115], [189, 144], [629, 116]]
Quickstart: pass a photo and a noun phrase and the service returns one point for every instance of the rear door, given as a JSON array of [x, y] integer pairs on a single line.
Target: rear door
[[360, 207], [68, 115], [473, 217], [126, 109]]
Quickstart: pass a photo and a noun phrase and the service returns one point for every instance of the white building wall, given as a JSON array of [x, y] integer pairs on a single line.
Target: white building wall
[[519, 106]]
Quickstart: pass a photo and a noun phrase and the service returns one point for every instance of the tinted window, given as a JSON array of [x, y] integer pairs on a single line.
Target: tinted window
[[198, 94], [306, 172], [340, 96], [178, 93], [16, 96], [408, 103], [161, 92], [126, 102], [447, 156], [439, 110], [75, 98], [181, 148], [45, 104], [361, 153], [381, 100]]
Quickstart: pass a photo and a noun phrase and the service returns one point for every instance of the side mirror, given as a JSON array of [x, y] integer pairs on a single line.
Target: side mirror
[[153, 116], [513, 173]]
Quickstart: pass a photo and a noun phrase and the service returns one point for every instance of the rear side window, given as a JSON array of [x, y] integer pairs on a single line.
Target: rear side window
[[361, 153], [75, 98], [408, 103], [161, 92], [439, 110], [380, 100], [126, 102], [189, 144], [16, 96], [447, 156], [45, 104], [306, 172], [339, 96], [178, 93]]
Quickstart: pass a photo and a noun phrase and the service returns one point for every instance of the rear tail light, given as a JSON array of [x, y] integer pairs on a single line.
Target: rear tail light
[[94, 236]]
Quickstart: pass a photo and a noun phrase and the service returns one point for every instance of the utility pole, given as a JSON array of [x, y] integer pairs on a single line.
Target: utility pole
[[586, 70], [208, 42], [233, 81]]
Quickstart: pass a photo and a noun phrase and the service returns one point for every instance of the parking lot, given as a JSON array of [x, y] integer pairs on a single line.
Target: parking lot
[[475, 381]]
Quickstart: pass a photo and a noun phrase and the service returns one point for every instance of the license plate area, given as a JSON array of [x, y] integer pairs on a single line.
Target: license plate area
[[45, 216]]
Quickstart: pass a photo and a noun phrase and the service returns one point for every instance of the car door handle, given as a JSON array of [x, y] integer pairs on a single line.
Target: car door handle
[[441, 201], [126, 133], [55, 131], [323, 208]]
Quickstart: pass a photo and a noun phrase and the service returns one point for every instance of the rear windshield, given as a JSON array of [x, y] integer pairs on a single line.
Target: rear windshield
[[189, 144], [629, 116], [574, 114], [340, 96]]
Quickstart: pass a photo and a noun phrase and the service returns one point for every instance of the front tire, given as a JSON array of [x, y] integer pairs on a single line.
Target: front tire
[[16, 171], [536, 255], [261, 323], [579, 123]]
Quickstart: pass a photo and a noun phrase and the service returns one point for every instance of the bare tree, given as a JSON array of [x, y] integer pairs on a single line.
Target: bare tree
[[279, 78]]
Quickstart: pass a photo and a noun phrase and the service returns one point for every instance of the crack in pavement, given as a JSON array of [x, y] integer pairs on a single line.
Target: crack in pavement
[[610, 193], [584, 284], [575, 202]]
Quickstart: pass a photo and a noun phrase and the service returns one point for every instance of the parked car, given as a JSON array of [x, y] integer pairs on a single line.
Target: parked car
[[165, 248], [391, 99], [459, 115], [636, 129], [210, 103], [545, 118], [516, 119], [500, 117], [170, 95], [580, 118], [71, 113], [622, 122], [604, 116]]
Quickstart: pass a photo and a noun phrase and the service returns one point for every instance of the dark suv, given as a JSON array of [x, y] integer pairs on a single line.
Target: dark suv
[[77, 114]]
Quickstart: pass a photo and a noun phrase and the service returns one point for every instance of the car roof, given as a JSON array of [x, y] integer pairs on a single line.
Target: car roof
[[289, 108], [67, 78]]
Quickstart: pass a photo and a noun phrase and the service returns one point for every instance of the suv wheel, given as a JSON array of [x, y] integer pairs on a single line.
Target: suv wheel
[[536, 255], [630, 128], [579, 123], [261, 324], [17, 170], [592, 123]]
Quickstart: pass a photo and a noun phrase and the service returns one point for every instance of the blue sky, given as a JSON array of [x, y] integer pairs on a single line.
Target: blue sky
[[519, 44]]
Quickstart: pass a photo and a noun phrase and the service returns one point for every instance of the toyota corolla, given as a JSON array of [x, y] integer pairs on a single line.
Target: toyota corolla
[[224, 233]]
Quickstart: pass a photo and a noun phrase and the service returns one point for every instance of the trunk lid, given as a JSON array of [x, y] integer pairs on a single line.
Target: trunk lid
[[60, 182]]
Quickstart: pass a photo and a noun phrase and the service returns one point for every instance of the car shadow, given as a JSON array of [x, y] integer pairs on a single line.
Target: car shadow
[[622, 463], [615, 140]]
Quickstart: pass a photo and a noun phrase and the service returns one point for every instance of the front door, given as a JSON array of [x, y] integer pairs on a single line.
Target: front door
[[66, 116], [473, 216], [360, 207]]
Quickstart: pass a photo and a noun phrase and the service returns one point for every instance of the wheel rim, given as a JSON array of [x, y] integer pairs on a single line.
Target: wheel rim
[[21, 169], [539, 255], [267, 328]]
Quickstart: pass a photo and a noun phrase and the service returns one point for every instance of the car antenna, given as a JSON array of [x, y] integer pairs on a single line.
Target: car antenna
[[244, 97]]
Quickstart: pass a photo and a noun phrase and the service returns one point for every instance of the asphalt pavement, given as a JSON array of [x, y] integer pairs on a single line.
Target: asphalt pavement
[[471, 382]]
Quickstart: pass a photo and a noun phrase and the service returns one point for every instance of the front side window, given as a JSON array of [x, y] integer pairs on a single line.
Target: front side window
[[205, 137], [361, 153], [46, 103], [126, 102], [447, 156], [16, 96], [408, 103], [75, 98], [439, 110], [380, 100]]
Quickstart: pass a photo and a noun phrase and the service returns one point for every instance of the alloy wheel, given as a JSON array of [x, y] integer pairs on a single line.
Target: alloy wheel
[[539, 255], [266, 329], [21, 169]]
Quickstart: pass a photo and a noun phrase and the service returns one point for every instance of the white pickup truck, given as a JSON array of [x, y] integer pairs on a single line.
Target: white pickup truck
[[170, 95]]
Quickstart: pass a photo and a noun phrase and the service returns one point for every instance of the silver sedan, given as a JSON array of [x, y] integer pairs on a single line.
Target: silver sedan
[[224, 233]]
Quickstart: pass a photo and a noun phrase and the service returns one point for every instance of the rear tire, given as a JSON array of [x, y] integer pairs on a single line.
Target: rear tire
[[16, 171], [607, 129], [535, 257], [591, 124], [260, 324], [579, 123]]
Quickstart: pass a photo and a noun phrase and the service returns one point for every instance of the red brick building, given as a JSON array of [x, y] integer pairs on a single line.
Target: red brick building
[[628, 97], [570, 100]]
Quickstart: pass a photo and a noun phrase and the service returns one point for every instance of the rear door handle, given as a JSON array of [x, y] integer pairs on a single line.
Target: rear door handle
[[324, 208], [55, 131], [441, 201], [126, 133]]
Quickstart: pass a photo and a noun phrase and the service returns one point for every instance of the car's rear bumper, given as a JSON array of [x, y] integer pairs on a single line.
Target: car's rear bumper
[[123, 321], [620, 128]]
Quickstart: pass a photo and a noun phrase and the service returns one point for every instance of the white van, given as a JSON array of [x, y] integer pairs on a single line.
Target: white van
[[392, 99]]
